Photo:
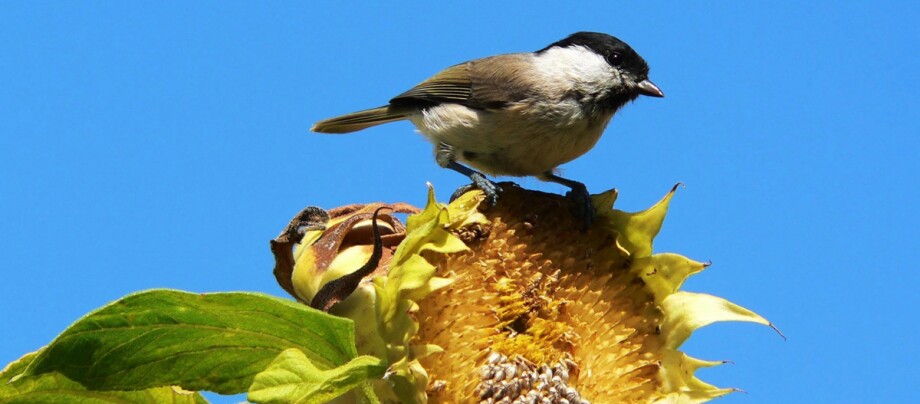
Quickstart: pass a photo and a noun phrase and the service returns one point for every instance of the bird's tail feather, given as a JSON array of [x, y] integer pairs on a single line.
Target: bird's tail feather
[[356, 121]]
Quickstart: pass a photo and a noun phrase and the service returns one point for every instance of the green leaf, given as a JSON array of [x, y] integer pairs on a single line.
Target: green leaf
[[56, 388], [215, 342], [293, 378]]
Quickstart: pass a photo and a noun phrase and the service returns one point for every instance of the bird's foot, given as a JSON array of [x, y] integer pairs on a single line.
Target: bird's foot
[[583, 207], [480, 182]]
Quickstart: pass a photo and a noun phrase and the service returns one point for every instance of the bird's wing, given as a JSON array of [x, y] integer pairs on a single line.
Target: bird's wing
[[489, 83], [450, 85]]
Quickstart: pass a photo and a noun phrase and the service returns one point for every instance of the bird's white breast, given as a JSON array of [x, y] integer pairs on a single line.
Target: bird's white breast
[[509, 142]]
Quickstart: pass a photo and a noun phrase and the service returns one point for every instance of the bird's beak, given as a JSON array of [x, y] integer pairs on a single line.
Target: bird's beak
[[650, 89]]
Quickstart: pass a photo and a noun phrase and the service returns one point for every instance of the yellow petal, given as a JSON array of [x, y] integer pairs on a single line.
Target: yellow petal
[[685, 312], [678, 379], [640, 228], [665, 273]]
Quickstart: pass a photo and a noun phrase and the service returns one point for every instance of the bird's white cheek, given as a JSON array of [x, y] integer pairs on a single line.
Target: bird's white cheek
[[576, 68]]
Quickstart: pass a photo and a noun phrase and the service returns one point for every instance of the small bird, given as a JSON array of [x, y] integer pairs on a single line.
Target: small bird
[[518, 114]]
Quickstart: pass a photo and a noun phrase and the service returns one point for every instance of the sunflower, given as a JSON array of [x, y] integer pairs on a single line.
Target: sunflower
[[516, 304]]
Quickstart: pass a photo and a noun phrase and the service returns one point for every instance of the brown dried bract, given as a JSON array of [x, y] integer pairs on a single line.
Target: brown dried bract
[[342, 227]]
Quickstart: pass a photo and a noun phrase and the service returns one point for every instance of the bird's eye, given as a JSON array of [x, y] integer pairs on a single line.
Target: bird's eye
[[615, 58]]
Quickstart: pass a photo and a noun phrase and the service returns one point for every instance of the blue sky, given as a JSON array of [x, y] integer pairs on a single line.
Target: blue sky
[[148, 146]]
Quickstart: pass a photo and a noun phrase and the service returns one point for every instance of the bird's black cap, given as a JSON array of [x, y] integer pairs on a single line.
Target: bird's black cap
[[614, 51]]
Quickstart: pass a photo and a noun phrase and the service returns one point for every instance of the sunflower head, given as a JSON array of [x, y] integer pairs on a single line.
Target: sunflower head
[[517, 304]]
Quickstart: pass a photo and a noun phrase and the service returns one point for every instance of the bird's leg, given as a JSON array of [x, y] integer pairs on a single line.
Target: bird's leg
[[584, 207], [445, 158]]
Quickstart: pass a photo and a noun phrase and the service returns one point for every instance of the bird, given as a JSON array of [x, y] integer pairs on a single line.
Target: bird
[[518, 114]]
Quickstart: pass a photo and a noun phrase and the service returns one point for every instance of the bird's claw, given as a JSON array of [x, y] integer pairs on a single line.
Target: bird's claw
[[460, 191], [489, 188], [583, 207]]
